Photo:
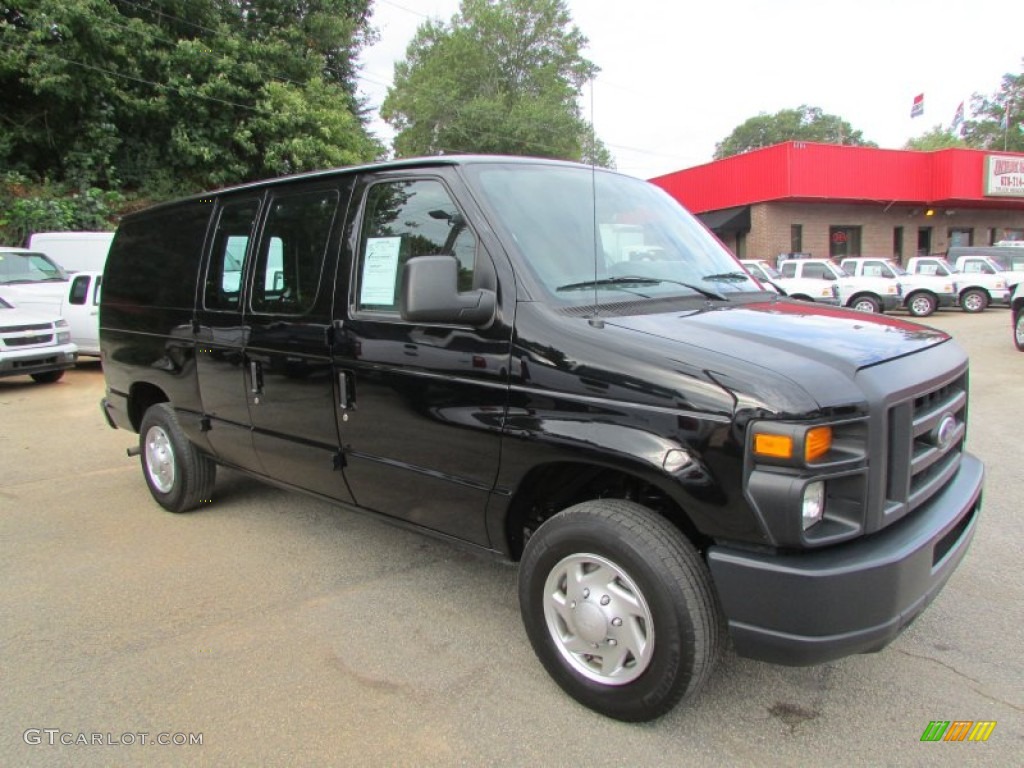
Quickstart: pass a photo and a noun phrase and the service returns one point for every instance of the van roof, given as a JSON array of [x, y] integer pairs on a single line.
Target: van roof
[[413, 162]]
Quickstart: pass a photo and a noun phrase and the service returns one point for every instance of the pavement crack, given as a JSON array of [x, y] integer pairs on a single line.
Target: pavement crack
[[977, 683]]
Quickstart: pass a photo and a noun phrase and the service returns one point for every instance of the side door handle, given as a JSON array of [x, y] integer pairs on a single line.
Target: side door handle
[[256, 377], [346, 391]]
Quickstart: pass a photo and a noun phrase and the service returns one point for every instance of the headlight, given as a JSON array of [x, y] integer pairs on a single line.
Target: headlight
[[63, 337], [813, 503], [62, 323]]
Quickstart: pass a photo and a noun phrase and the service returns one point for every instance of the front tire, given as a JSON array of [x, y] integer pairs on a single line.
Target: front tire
[[922, 304], [178, 475], [1018, 329], [619, 608], [866, 304], [47, 377], [973, 300]]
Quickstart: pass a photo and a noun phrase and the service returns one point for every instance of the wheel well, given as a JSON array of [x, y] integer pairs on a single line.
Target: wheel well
[[141, 397], [918, 291], [548, 489], [864, 295]]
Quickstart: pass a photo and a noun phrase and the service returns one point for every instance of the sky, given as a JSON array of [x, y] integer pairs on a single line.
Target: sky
[[678, 76]]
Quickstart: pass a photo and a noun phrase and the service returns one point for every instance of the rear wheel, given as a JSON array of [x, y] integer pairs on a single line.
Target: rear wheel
[[973, 300], [866, 303], [921, 304], [47, 377], [1018, 329], [178, 475], [619, 608]]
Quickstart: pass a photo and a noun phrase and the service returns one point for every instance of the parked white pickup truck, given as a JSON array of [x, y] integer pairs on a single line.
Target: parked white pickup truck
[[868, 294], [990, 265], [922, 293], [33, 282], [805, 288], [34, 344], [978, 288]]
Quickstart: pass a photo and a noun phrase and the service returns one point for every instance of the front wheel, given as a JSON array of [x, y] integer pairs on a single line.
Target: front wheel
[[1018, 329], [973, 300], [866, 304], [47, 377], [178, 475], [619, 608], [921, 304]]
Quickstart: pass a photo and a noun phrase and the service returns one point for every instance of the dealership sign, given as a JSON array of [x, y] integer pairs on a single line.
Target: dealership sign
[[1004, 175]]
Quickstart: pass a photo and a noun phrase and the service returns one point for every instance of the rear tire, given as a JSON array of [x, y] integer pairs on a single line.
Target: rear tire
[[47, 377], [619, 608], [1018, 329], [178, 475], [973, 300], [921, 304]]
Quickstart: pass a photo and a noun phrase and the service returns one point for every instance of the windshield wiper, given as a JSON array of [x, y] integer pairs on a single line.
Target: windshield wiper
[[727, 276], [639, 280]]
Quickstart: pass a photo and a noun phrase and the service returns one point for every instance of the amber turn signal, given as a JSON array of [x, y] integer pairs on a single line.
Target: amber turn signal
[[774, 446], [817, 443]]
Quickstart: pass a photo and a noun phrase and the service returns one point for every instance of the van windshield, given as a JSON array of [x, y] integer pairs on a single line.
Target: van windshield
[[584, 233], [26, 267]]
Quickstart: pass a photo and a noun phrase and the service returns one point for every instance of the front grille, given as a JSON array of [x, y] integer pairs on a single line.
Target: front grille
[[926, 440], [20, 328], [25, 341]]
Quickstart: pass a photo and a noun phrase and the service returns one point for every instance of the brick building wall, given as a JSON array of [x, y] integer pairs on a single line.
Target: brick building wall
[[771, 227]]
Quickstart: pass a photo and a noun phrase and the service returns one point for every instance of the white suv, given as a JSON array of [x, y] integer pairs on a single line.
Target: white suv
[[35, 345]]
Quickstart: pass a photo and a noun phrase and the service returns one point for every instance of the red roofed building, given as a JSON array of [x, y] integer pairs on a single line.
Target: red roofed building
[[831, 200]]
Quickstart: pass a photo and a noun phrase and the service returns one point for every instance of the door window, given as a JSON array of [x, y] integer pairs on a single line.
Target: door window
[[79, 290], [227, 256], [403, 220], [288, 269]]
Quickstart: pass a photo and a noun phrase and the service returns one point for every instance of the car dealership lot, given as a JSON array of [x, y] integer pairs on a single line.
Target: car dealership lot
[[284, 630]]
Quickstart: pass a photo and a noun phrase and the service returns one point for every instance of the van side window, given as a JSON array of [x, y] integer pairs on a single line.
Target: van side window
[[79, 290], [151, 246], [288, 268], [403, 220], [227, 256]]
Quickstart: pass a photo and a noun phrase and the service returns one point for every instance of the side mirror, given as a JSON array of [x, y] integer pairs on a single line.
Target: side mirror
[[430, 294]]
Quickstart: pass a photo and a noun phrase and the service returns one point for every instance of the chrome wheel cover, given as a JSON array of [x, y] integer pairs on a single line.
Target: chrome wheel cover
[[864, 306], [159, 459], [598, 619], [921, 306], [1018, 330], [974, 302]]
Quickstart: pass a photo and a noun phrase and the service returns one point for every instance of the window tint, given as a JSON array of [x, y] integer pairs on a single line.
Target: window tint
[[291, 258], [788, 269], [404, 220], [79, 290], [227, 255], [154, 258], [814, 270]]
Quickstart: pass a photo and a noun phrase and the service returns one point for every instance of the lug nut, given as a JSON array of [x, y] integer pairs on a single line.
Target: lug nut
[[586, 593], [605, 600], [613, 641], [616, 622]]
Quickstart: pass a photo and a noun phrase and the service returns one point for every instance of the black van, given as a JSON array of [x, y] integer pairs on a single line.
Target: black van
[[557, 365]]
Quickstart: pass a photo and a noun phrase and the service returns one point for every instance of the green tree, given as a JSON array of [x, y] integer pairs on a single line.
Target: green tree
[[997, 121], [801, 124], [166, 96], [503, 76], [938, 137]]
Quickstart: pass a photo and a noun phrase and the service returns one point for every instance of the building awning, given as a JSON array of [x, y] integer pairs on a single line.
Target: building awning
[[727, 220]]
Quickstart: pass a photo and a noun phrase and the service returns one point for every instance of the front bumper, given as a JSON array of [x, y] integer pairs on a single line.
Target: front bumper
[[800, 609], [24, 362]]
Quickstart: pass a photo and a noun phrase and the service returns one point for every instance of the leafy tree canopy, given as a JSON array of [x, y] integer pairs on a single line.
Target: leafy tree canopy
[[997, 121], [801, 124], [503, 76], [938, 137], [167, 96]]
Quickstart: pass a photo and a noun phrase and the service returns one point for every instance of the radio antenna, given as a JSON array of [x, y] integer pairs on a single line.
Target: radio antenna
[[596, 319]]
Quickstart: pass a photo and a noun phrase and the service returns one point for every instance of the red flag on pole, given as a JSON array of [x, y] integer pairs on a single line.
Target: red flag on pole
[[918, 108]]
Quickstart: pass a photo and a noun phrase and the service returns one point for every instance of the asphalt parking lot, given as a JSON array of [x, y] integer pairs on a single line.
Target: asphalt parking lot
[[281, 630]]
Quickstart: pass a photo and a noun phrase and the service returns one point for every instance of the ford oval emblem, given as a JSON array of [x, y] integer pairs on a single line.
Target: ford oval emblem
[[945, 431]]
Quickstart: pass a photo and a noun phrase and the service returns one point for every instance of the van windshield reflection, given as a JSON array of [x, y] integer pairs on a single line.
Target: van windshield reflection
[[577, 229]]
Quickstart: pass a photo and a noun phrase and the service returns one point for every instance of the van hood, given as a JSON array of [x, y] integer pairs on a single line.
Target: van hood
[[842, 339]]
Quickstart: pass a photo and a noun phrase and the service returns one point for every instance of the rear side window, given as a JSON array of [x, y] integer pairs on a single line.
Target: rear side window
[[223, 289], [79, 289], [403, 220], [154, 259], [286, 279]]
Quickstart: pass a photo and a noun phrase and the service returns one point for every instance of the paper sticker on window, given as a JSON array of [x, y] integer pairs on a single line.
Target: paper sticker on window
[[380, 271]]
